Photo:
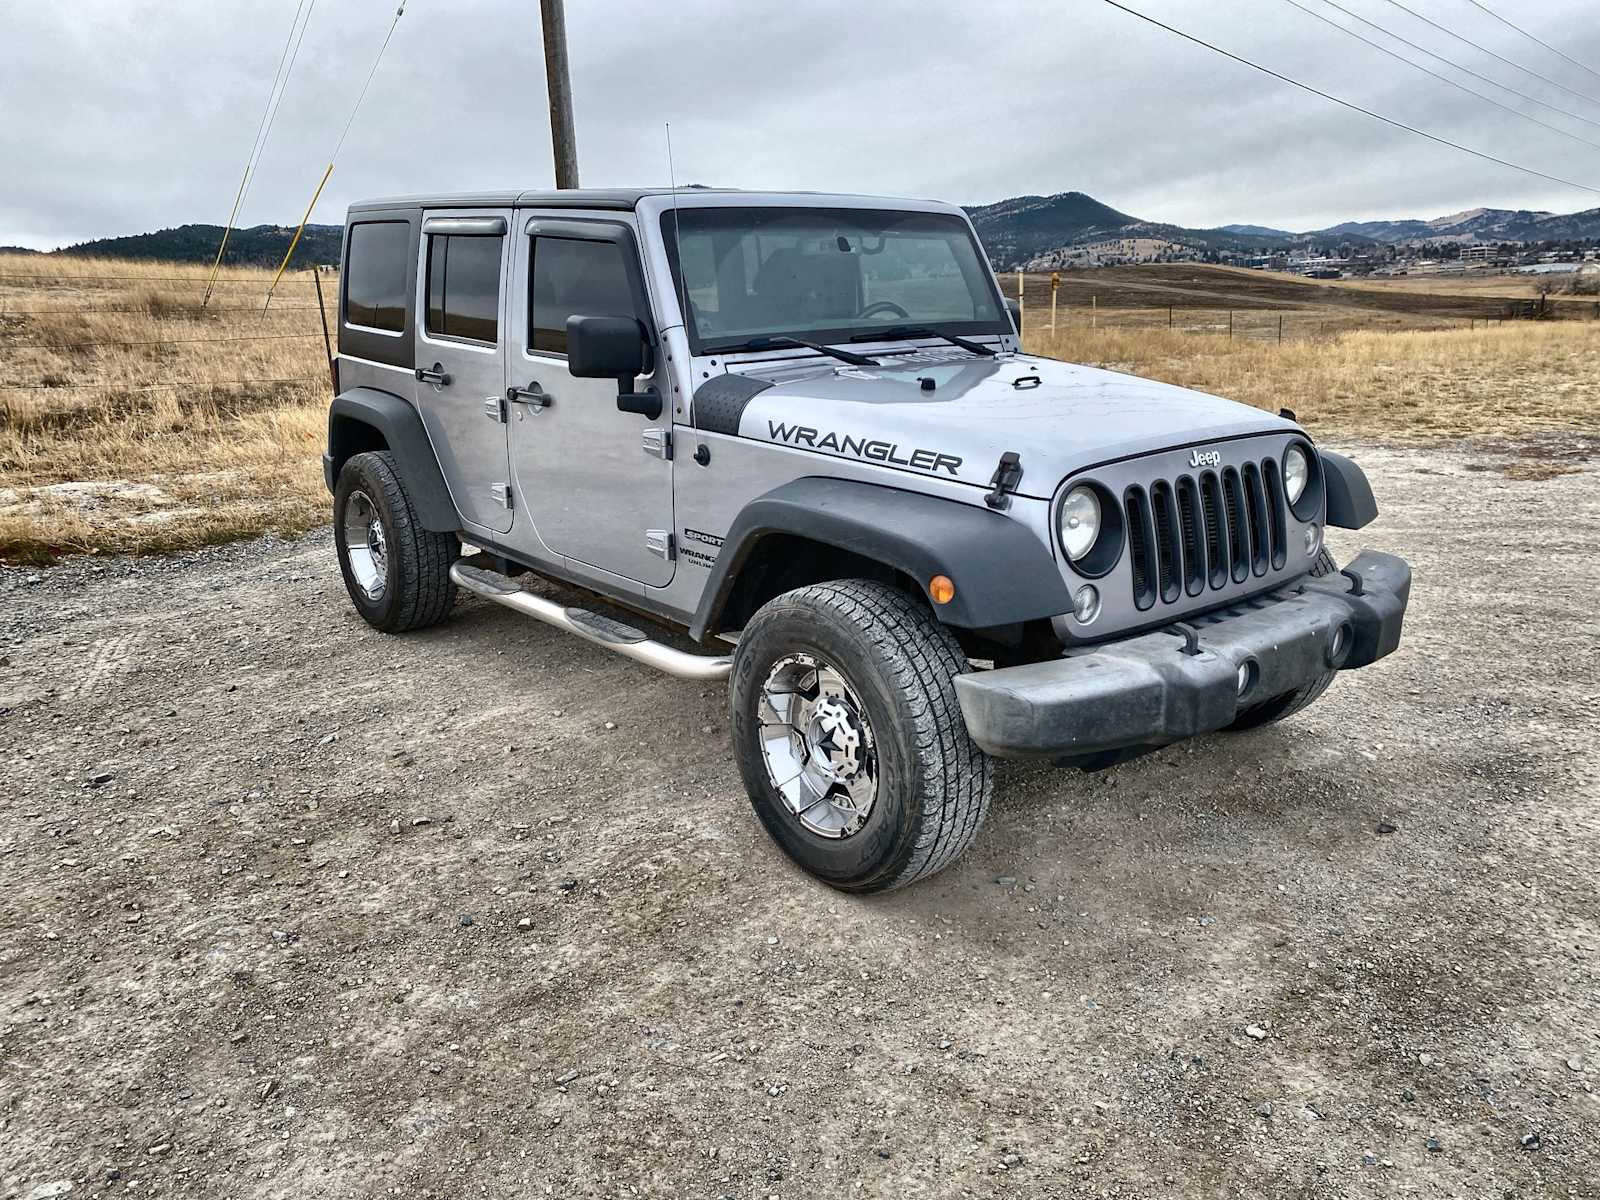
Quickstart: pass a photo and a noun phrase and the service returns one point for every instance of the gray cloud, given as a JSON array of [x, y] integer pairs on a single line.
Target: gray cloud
[[124, 117]]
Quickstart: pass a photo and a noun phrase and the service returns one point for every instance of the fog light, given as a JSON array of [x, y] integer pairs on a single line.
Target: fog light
[[1313, 539], [1086, 604], [1246, 676], [1339, 645]]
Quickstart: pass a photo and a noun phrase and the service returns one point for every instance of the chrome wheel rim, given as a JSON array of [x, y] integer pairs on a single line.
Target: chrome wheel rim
[[819, 748], [366, 545]]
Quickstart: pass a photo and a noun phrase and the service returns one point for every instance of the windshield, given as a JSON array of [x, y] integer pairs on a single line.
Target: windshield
[[827, 275]]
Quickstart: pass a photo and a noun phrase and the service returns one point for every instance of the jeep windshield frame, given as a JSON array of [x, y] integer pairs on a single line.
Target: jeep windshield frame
[[765, 274]]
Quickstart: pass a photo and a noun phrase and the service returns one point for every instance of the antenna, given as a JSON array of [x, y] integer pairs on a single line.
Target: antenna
[[677, 238]]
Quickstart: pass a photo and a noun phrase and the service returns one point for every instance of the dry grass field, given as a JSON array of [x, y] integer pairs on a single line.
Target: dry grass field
[[131, 419], [1518, 382]]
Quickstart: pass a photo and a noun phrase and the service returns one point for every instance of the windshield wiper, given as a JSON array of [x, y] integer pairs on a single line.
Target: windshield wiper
[[915, 331], [776, 343]]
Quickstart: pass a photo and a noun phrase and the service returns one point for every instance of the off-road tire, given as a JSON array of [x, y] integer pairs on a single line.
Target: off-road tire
[[934, 784], [1286, 705], [418, 591]]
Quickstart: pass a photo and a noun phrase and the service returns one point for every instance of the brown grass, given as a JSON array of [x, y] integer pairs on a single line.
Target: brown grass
[[1519, 380], [232, 460], [230, 431]]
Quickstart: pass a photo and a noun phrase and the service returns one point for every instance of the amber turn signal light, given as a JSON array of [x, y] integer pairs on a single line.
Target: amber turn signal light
[[941, 589]]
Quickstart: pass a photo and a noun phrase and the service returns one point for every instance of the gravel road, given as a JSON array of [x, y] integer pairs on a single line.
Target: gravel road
[[289, 908]]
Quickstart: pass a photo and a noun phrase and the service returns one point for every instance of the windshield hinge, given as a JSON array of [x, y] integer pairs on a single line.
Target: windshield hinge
[[658, 443], [1005, 479]]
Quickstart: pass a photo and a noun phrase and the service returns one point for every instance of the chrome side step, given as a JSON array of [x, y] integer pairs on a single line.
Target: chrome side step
[[591, 627]]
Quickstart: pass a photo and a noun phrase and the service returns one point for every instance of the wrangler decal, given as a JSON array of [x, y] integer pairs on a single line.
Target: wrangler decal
[[867, 449]]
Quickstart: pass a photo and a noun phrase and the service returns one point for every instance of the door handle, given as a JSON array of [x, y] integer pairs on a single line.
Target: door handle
[[435, 375], [533, 395]]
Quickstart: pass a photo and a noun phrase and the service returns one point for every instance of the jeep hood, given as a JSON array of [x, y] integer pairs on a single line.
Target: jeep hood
[[1059, 417]]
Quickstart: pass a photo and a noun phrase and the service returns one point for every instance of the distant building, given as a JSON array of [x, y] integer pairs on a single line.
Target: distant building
[[1483, 253]]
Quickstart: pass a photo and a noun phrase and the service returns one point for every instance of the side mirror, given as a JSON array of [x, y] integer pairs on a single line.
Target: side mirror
[[1015, 309], [613, 348], [605, 348]]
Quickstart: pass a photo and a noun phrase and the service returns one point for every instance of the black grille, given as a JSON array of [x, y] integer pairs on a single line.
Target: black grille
[[1202, 532]]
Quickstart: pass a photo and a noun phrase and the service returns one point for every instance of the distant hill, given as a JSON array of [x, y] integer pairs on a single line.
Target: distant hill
[[1265, 231], [260, 246], [1024, 228]]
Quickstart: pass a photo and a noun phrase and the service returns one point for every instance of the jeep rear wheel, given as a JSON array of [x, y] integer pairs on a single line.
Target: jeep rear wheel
[[397, 572], [850, 739], [1269, 712]]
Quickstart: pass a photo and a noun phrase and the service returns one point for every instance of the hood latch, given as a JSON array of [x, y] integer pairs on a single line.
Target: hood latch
[[1005, 479]]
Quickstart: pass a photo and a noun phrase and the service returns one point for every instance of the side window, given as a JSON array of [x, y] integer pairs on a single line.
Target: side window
[[574, 278], [375, 292], [464, 286]]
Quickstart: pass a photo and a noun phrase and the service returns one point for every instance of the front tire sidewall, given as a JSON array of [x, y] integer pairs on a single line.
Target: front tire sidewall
[[871, 858]]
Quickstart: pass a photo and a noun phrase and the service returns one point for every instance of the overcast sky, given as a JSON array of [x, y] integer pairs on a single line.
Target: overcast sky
[[122, 117]]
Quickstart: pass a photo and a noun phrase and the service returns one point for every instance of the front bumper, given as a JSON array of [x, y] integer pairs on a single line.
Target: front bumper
[[1184, 679]]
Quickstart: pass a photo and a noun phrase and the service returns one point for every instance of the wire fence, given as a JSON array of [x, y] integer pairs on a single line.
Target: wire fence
[[187, 384], [156, 311], [113, 279], [1267, 325], [235, 325]]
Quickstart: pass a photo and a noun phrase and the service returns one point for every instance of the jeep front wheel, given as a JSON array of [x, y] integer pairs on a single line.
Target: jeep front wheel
[[849, 736], [397, 572]]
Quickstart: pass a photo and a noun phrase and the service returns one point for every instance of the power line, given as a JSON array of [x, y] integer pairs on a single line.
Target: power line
[[1485, 50], [1306, 87], [339, 145], [1451, 63], [280, 84], [1531, 38], [1441, 78], [295, 241]]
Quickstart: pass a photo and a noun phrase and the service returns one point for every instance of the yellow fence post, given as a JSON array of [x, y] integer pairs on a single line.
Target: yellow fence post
[[1055, 286]]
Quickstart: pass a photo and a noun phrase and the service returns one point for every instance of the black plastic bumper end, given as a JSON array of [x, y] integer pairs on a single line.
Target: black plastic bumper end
[[1171, 684]]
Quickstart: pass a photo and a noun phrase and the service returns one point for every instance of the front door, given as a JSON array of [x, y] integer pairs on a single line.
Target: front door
[[461, 382], [596, 481]]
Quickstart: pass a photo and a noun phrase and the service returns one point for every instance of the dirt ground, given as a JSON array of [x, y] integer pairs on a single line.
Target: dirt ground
[[292, 909]]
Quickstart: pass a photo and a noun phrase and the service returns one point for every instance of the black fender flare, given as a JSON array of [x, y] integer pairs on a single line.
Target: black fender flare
[[1350, 501], [362, 417], [1003, 573]]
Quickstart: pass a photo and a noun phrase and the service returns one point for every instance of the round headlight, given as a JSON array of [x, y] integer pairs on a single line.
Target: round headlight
[[1296, 473], [1080, 522]]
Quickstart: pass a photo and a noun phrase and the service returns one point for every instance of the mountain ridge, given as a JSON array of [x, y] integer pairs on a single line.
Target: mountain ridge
[[1015, 231], [1025, 228]]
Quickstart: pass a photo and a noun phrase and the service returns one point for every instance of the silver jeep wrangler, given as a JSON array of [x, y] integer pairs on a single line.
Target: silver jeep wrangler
[[802, 428]]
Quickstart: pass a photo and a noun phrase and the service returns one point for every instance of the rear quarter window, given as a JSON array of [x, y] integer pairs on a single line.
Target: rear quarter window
[[375, 275]]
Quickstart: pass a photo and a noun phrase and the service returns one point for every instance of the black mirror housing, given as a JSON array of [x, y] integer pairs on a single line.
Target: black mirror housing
[[605, 347]]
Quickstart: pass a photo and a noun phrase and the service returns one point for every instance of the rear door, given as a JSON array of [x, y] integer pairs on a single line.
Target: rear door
[[461, 380], [596, 481]]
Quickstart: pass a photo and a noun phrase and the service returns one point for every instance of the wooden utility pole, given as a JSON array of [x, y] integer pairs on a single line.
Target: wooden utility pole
[[563, 141]]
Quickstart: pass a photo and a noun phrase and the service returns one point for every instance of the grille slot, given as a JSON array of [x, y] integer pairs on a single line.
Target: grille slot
[[1194, 550], [1256, 498], [1141, 550], [1238, 532], [1216, 532], [1168, 555], [1275, 513], [1190, 534]]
